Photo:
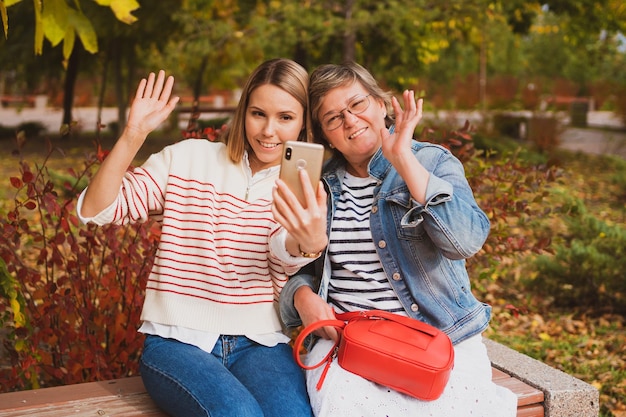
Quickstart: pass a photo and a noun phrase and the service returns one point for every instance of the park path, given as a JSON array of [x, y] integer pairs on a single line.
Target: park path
[[606, 132], [594, 141]]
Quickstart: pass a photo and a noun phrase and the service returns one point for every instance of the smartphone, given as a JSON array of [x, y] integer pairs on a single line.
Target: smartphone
[[297, 156]]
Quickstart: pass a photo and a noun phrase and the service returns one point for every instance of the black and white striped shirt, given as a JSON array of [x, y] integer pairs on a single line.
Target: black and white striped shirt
[[358, 281]]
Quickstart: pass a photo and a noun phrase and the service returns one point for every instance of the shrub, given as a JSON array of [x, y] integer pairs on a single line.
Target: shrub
[[31, 129], [509, 125], [70, 295], [587, 268]]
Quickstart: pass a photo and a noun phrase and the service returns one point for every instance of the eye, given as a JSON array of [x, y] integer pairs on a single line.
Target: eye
[[358, 103], [333, 119], [257, 113]]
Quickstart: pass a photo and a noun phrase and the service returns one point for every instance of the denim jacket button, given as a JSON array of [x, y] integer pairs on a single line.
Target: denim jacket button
[[382, 244], [396, 276], [414, 307], [374, 209]]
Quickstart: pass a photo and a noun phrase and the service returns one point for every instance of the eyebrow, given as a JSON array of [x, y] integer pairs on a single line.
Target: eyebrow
[[253, 107]]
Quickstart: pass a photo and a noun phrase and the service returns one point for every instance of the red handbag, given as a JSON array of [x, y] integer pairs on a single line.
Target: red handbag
[[398, 352]]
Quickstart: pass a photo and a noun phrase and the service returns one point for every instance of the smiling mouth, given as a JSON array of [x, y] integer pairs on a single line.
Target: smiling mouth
[[268, 145], [357, 133]]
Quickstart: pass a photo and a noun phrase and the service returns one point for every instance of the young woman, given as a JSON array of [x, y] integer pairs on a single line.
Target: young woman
[[402, 219], [214, 343]]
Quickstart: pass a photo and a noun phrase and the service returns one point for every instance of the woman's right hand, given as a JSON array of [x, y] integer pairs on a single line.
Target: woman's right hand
[[151, 106], [313, 308], [306, 227]]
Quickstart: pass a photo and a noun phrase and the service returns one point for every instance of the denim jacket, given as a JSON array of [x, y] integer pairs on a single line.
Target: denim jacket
[[422, 247]]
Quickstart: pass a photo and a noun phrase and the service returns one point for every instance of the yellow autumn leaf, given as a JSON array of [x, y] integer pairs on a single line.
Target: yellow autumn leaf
[[18, 316], [122, 8], [68, 42], [19, 345], [54, 20], [84, 29], [38, 32], [5, 19], [544, 336]]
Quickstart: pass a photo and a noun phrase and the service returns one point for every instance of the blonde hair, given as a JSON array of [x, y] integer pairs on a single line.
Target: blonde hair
[[282, 73]]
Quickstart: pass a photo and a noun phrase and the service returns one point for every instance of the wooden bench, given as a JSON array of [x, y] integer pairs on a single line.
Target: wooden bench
[[541, 390], [17, 101], [127, 397], [563, 395]]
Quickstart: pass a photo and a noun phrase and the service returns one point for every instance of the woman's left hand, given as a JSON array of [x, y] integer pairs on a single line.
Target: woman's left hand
[[306, 227], [398, 145]]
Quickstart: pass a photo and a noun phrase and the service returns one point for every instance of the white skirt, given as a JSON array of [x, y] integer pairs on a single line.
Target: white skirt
[[469, 392]]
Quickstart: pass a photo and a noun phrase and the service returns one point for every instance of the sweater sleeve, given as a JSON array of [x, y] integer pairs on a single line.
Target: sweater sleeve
[[280, 255], [141, 194]]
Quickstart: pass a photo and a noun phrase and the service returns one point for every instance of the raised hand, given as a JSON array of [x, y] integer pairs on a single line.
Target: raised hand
[[398, 144], [151, 107], [152, 104]]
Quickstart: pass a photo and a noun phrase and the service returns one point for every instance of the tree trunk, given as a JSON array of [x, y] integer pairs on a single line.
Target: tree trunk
[[119, 91], [482, 72], [71, 75], [197, 87], [103, 83], [349, 37]]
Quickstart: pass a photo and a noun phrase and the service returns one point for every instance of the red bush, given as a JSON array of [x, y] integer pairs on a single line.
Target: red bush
[[70, 294]]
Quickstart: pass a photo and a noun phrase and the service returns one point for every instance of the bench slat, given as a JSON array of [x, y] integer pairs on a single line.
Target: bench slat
[[123, 397], [525, 393], [535, 410]]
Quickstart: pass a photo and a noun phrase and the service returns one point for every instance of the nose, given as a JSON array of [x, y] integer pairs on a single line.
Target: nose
[[269, 128], [348, 118]]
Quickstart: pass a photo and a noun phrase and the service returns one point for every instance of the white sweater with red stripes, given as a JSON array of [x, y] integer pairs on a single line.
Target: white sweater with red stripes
[[214, 270]]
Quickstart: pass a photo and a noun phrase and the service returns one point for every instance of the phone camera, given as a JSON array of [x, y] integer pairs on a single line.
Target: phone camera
[[288, 154]]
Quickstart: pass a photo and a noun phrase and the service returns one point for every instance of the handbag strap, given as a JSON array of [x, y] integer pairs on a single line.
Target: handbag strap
[[307, 331], [379, 314], [329, 356]]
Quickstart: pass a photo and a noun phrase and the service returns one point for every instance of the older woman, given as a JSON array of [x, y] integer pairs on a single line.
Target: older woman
[[402, 219]]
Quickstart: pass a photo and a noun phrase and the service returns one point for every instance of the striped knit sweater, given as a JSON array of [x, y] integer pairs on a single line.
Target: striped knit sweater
[[213, 270]]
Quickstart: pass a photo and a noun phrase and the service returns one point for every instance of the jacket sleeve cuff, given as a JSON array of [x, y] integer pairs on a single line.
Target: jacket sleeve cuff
[[438, 191], [288, 312]]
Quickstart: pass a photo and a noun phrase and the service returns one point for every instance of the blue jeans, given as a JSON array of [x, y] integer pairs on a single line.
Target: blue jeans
[[240, 378]]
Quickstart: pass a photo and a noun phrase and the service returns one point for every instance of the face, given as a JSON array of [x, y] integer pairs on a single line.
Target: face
[[273, 117], [358, 138]]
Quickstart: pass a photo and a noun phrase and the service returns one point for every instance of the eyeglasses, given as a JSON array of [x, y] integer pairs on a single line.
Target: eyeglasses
[[357, 105]]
